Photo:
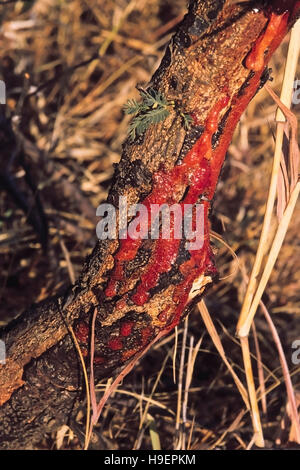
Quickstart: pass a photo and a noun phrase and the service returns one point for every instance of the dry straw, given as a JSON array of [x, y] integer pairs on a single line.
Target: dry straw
[[259, 275]]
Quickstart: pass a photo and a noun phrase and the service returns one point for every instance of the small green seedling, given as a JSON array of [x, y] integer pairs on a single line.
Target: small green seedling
[[153, 109]]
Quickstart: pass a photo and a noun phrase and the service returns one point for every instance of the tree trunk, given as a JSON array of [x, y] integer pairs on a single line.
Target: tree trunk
[[213, 66]]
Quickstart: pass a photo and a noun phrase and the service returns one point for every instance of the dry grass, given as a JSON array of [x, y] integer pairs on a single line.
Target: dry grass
[[72, 128]]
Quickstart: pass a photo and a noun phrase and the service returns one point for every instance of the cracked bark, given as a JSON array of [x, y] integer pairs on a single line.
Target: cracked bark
[[212, 68]]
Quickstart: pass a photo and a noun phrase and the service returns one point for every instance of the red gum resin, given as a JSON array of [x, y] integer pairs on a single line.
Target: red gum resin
[[195, 172], [82, 332], [126, 329], [202, 259], [115, 344], [256, 59], [146, 334]]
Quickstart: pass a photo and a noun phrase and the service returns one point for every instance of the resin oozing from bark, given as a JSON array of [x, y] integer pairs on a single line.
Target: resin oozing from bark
[[256, 58], [198, 173], [82, 332], [194, 173]]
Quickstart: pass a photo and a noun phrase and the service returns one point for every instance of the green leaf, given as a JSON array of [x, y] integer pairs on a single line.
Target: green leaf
[[157, 115], [187, 120], [141, 122], [131, 107], [153, 109]]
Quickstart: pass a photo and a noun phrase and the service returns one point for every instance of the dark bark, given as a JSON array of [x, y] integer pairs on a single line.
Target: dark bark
[[205, 71]]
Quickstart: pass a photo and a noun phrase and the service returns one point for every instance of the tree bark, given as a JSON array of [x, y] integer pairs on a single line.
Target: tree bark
[[213, 66]]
